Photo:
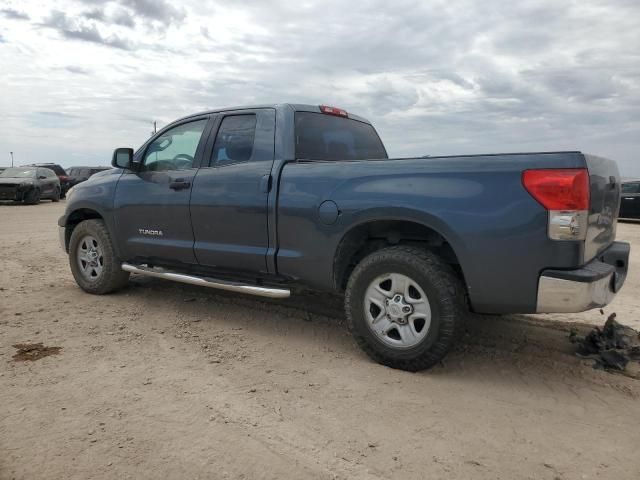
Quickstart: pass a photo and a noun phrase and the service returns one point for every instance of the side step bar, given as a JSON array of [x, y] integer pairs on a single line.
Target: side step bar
[[208, 282]]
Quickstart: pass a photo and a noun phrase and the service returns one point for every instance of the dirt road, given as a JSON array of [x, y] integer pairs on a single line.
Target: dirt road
[[172, 381]]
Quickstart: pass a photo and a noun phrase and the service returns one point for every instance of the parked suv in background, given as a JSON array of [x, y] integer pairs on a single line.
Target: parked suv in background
[[60, 172], [630, 201], [29, 184], [80, 174]]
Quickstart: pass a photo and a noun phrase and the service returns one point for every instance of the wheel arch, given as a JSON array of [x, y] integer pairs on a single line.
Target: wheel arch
[[74, 218], [371, 235]]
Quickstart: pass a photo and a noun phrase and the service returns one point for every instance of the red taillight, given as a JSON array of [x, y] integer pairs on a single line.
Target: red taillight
[[559, 189], [64, 178], [333, 111]]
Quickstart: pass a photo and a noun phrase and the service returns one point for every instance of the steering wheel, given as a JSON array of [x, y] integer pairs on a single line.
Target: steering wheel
[[182, 160], [159, 166]]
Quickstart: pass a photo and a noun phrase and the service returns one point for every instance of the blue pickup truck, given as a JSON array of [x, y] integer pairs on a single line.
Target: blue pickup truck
[[262, 200]]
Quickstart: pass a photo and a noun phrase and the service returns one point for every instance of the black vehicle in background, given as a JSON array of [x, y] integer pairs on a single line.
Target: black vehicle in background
[[59, 171], [630, 201], [80, 174], [29, 184]]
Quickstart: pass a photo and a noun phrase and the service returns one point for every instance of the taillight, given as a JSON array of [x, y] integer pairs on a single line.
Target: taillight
[[564, 192], [333, 111], [559, 189]]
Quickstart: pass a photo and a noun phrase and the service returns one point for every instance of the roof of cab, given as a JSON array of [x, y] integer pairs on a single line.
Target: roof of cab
[[296, 107]]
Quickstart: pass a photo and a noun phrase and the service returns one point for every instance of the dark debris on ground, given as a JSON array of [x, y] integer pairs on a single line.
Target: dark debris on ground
[[612, 347]]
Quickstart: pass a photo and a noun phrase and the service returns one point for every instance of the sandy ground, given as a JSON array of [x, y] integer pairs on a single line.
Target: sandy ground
[[164, 380]]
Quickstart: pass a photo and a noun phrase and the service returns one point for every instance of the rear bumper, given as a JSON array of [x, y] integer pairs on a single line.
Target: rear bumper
[[591, 286]]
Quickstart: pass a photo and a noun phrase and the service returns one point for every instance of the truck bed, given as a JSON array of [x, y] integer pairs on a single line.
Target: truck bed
[[497, 231]]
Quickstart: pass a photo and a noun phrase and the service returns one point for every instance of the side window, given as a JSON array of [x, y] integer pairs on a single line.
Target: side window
[[630, 188], [51, 173], [234, 142], [175, 149]]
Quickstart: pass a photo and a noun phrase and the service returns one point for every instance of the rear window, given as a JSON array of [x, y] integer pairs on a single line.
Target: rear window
[[56, 168], [327, 137], [234, 142]]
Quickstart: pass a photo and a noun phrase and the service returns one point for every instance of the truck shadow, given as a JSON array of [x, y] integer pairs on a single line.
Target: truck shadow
[[495, 348]]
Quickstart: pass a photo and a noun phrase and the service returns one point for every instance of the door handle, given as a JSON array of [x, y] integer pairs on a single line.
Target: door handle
[[628, 198], [179, 184]]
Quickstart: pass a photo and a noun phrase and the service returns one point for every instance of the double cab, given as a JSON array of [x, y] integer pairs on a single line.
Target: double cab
[[261, 200]]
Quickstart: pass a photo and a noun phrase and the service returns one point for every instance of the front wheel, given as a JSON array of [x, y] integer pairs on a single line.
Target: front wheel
[[56, 195], [93, 260], [32, 197], [405, 307]]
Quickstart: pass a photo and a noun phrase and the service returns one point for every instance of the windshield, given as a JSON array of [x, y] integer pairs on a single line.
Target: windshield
[[327, 137], [18, 172]]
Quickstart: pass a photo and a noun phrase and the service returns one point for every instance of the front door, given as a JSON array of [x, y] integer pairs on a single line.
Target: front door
[[152, 202], [48, 182], [230, 192]]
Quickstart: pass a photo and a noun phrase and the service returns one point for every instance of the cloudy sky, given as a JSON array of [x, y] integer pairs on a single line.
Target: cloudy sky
[[81, 77]]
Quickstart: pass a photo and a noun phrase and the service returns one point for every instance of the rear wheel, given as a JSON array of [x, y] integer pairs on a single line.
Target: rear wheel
[[405, 307], [92, 259]]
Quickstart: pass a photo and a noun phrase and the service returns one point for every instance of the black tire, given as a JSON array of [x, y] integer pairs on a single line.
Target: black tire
[[112, 277], [33, 197], [56, 195], [445, 295]]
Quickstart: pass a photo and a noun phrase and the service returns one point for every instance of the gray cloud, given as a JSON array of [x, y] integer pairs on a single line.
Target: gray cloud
[[14, 14], [459, 76], [57, 114], [77, 70], [123, 17], [156, 10], [85, 32], [95, 14], [118, 16]]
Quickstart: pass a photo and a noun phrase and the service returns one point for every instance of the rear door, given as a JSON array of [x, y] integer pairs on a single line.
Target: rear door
[[630, 201], [151, 204], [230, 192]]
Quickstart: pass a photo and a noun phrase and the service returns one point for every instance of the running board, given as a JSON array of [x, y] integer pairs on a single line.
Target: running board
[[208, 282]]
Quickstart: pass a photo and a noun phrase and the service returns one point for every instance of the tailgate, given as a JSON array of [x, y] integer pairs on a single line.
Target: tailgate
[[604, 205]]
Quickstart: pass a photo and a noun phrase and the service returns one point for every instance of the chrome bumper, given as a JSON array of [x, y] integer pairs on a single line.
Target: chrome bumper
[[556, 295], [61, 238], [592, 286]]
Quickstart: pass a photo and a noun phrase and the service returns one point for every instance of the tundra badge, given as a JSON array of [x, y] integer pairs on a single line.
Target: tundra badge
[[155, 233]]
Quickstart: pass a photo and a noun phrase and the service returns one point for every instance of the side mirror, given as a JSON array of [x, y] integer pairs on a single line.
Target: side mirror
[[122, 157]]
